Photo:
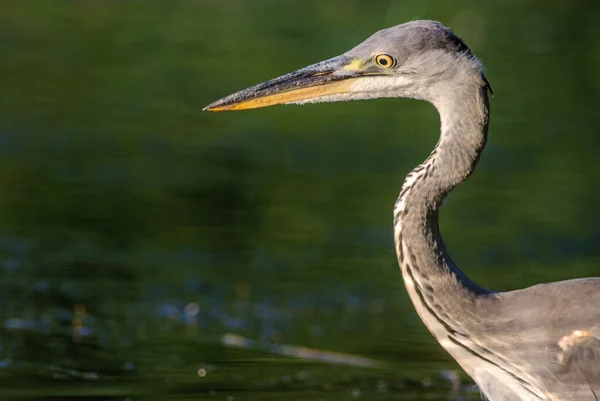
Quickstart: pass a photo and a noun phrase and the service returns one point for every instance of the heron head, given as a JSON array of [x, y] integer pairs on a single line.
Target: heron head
[[419, 59]]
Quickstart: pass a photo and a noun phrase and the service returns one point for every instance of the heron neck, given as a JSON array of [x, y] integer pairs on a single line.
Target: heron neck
[[425, 262]]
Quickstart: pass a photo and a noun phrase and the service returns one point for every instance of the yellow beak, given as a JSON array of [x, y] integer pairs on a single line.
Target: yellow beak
[[322, 79]]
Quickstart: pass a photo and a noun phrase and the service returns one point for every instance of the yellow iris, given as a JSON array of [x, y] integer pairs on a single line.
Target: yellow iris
[[385, 61]]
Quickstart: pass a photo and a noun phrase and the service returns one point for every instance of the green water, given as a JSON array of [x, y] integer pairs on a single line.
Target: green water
[[137, 231]]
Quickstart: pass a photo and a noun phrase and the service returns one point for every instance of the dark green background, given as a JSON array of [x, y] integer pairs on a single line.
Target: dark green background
[[119, 194]]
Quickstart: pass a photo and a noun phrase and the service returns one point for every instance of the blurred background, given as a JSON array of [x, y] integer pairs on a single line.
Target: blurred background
[[149, 249]]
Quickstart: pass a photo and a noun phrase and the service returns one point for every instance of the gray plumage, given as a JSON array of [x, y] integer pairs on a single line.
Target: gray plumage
[[538, 343]]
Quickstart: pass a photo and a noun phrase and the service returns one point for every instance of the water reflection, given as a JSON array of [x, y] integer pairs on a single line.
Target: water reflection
[[88, 322]]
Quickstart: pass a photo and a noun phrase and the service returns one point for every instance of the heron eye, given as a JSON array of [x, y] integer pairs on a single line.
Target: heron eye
[[385, 61]]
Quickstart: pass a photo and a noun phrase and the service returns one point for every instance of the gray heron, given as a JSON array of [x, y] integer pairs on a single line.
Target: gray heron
[[537, 343]]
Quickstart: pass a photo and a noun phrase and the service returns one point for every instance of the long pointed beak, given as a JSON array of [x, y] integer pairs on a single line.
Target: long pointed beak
[[330, 77]]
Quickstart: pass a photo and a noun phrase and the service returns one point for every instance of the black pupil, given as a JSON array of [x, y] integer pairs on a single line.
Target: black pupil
[[383, 61]]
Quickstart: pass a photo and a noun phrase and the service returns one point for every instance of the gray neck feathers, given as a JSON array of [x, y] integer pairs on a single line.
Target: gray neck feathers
[[423, 257]]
